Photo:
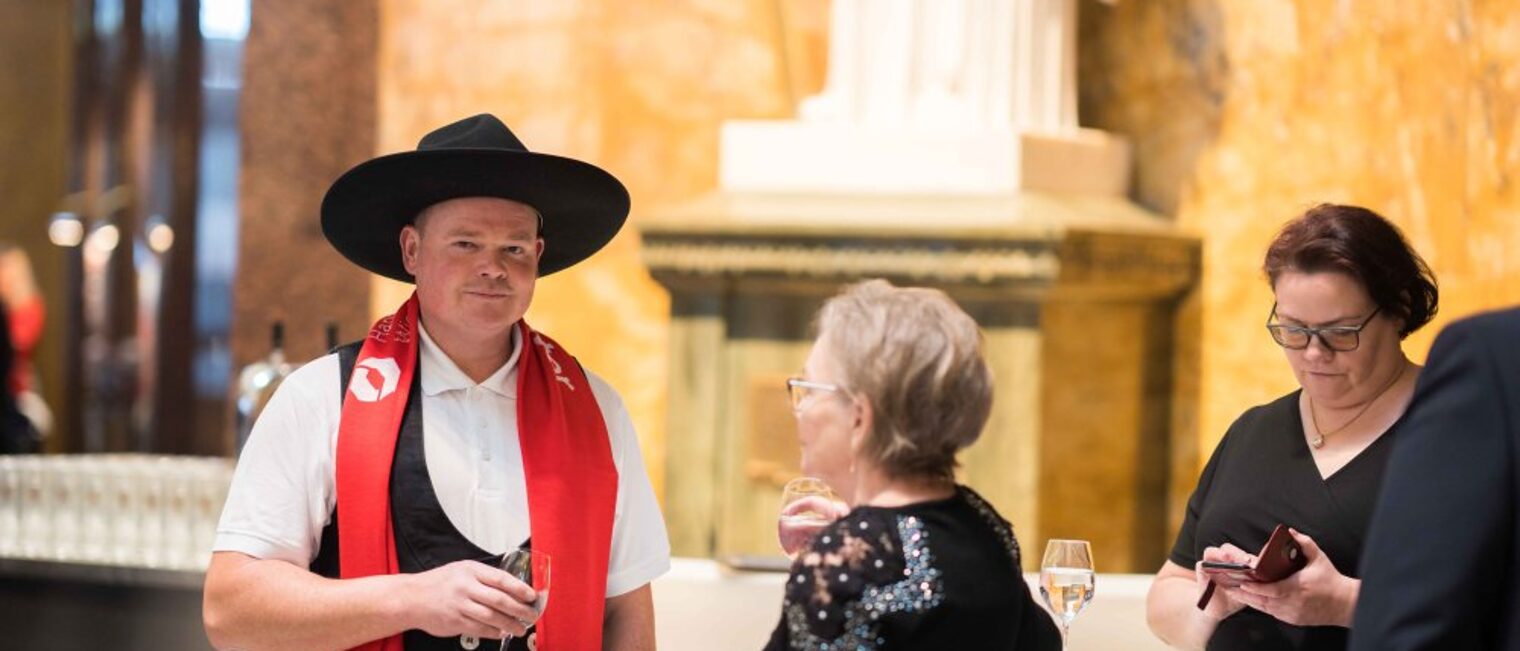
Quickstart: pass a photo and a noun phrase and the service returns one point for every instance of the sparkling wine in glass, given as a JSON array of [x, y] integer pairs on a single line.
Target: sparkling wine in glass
[[530, 567], [1066, 580], [807, 506]]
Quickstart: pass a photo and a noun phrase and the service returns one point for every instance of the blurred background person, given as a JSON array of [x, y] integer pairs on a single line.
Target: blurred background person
[[17, 436], [26, 316], [1348, 290], [894, 386]]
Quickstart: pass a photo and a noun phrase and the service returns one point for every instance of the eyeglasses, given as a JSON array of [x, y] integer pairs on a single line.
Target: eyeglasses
[[1342, 339], [798, 391]]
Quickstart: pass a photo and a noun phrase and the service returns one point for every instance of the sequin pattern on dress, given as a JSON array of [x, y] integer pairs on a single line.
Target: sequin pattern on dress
[[853, 576], [1001, 527]]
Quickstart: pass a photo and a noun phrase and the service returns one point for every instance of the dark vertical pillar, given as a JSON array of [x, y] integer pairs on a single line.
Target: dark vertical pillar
[[173, 60], [308, 114], [107, 172]]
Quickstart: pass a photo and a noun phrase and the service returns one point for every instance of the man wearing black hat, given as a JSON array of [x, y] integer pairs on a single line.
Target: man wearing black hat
[[351, 524]]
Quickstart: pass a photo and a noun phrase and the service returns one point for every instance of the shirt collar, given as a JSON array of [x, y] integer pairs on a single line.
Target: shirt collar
[[440, 374]]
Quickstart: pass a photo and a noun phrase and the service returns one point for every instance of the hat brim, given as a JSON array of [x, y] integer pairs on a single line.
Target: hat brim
[[365, 209]]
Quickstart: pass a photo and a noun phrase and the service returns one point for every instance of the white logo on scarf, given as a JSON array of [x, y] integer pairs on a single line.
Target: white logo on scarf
[[362, 384], [559, 372]]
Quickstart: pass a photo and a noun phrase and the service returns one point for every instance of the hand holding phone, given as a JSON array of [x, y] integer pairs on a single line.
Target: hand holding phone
[[1278, 560], [1240, 572]]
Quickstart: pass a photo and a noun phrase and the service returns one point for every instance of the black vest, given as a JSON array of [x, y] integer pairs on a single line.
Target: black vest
[[425, 538]]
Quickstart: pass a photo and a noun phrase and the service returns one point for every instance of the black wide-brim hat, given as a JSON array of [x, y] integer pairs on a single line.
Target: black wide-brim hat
[[582, 205]]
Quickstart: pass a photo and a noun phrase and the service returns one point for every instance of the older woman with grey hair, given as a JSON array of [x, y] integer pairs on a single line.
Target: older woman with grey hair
[[895, 385]]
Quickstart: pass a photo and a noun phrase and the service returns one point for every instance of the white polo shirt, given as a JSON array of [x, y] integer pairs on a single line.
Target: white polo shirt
[[283, 491]]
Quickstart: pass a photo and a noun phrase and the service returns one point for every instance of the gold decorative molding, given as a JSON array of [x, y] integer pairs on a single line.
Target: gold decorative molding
[[1074, 259], [982, 264], [1100, 259], [1028, 239]]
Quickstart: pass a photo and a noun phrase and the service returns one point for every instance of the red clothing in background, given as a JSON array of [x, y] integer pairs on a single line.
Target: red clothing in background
[[26, 322]]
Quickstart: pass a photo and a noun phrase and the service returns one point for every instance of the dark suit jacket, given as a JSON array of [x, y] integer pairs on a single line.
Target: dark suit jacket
[[1442, 564]]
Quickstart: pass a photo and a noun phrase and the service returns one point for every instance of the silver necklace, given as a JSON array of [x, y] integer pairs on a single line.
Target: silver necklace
[[1319, 436]]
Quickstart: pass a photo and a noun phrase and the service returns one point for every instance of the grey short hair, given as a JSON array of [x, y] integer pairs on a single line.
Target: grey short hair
[[920, 361]]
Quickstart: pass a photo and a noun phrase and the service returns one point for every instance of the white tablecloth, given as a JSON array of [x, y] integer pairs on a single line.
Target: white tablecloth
[[700, 606]]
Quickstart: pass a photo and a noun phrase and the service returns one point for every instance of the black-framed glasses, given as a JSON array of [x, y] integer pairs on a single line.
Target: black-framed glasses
[[1341, 339], [799, 391]]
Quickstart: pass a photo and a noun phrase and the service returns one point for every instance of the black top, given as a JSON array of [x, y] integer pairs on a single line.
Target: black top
[[943, 574], [1261, 475]]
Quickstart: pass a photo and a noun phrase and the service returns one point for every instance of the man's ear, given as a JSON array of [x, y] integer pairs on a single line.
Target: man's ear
[[411, 240]]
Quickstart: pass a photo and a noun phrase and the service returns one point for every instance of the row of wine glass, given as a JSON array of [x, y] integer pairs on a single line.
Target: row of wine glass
[[130, 510]]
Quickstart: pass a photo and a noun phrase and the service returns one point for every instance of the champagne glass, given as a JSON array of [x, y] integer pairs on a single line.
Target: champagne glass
[[807, 506], [1066, 580], [528, 565]]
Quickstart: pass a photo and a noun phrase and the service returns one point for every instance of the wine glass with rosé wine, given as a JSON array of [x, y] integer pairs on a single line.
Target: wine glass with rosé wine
[[807, 506]]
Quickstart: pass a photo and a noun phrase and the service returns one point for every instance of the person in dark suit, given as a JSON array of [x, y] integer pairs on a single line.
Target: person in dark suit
[[1442, 564]]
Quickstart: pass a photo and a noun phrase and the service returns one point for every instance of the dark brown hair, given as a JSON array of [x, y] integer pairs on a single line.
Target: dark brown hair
[[1362, 244]]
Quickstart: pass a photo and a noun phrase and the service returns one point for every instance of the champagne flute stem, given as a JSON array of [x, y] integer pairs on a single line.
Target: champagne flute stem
[[1065, 636]]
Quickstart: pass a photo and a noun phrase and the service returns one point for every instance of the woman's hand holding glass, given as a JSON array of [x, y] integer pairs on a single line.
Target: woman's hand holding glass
[[807, 506], [1318, 595]]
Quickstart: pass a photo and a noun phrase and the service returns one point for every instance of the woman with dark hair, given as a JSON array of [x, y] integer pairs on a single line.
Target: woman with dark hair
[[1348, 290]]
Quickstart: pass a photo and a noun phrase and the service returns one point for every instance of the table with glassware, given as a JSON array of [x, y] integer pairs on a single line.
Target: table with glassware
[[111, 549], [106, 548]]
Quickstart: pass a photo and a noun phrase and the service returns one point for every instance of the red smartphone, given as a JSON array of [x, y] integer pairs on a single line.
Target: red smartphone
[[1279, 559]]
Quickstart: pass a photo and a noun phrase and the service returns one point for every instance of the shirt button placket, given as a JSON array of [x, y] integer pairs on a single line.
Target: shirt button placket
[[477, 412]]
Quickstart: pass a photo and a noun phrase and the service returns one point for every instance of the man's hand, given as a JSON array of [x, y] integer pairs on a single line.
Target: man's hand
[[470, 598]]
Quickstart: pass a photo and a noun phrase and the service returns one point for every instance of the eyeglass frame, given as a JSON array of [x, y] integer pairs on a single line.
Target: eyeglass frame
[[796, 401], [1318, 332]]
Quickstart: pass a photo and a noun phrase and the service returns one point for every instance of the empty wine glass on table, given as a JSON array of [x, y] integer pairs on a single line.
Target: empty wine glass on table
[[530, 567], [1066, 580], [807, 506]]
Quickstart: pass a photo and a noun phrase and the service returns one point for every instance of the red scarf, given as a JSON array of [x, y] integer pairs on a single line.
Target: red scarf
[[572, 483]]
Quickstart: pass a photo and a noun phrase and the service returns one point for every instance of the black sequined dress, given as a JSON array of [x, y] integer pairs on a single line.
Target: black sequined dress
[[942, 574]]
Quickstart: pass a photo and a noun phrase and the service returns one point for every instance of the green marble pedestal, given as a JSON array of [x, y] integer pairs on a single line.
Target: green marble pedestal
[[1079, 299]]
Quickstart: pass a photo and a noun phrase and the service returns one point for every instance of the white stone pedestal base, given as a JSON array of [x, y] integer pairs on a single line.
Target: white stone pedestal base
[[801, 157]]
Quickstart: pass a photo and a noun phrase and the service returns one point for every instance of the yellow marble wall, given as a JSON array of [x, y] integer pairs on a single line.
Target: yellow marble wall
[[636, 86], [1245, 112], [1242, 113]]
